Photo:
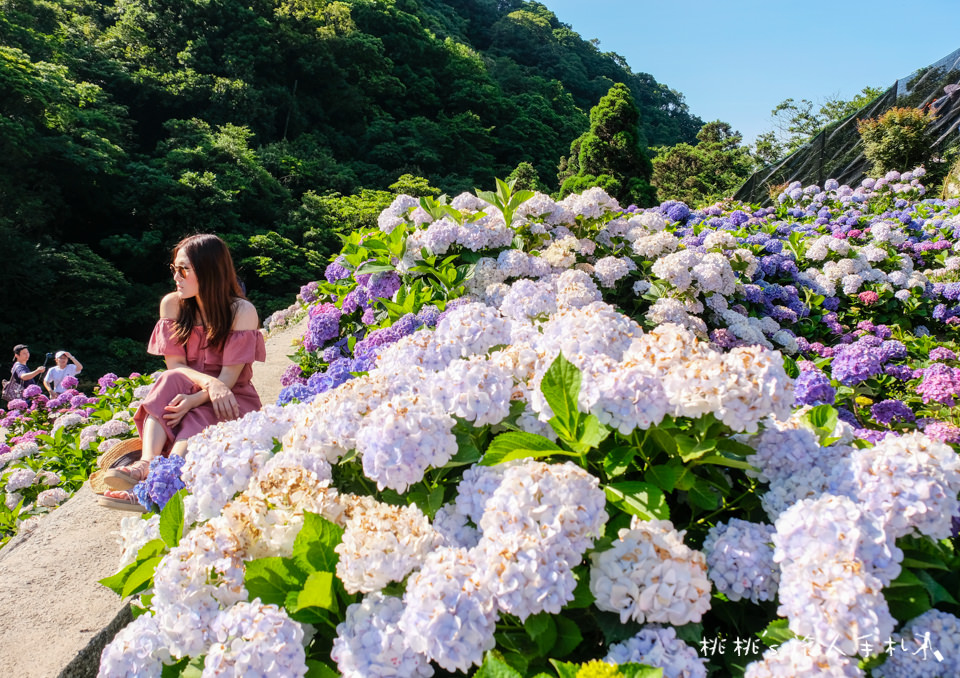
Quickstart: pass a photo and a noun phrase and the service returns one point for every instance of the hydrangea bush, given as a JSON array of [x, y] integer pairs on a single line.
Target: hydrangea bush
[[542, 437], [49, 446]]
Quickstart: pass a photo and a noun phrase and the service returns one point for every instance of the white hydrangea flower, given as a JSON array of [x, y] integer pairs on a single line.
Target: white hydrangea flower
[[11, 499], [139, 650], [650, 246], [473, 328], [221, 460], [798, 658], [609, 270], [448, 616], [114, 428], [197, 578], [928, 646], [576, 289], [535, 528], [404, 437], [675, 268], [740, 560], [475, 389], [834, 561], [724, 240], [628, 398], [395, 214], [369, 642], [52, 497], [454, 528], [740, 388], [666, 310], [651, 575], [134, 533], [659, 647], [909, 482], [253, 639], [529, 299], [19, 478], [68, 421], [383, 544]]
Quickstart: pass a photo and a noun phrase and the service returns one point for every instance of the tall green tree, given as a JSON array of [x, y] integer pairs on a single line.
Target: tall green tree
[[611, 154], [705, 172]]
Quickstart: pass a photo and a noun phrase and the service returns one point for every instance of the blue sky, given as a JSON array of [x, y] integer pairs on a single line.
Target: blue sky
[[735, 60]]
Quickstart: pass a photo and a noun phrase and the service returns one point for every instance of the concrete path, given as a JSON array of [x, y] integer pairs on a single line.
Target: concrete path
[[55, 618]]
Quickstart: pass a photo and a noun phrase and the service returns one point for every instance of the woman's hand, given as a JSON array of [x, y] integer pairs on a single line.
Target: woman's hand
[[178, 408], [224, 402]]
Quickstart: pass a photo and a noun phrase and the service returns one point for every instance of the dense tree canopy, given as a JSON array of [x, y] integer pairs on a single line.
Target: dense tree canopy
[[611, 154], [126, 124], [705, 172]]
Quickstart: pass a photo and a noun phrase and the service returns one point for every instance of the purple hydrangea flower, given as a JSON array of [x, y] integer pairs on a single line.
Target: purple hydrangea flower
[[108, 380], [32, 391], [941, 430], [888, 411], [901, 372], [678, 212], [309, 292], [892, 350], [855, 363], [78, 401], [324, 324], [408, 324], [942, 354], [17, 404], [813, 387], [429, 315], [368, 317], [69, 381], [940, 384], [383, 285], [335, 271], [292, 375]]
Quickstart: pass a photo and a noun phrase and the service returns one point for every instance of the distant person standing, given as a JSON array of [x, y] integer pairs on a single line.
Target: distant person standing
[[55, 375], [19, 372]]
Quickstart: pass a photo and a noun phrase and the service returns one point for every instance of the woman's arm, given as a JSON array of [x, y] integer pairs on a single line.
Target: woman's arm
[[216, 390]]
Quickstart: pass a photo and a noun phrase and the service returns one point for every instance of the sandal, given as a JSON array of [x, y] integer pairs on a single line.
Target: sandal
[[121, 501], [125, 477]]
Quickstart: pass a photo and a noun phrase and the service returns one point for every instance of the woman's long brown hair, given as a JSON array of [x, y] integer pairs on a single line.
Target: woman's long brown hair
[[217, 286]]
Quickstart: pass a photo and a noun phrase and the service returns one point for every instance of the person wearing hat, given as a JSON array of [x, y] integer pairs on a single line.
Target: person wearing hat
[[19, 371], [55, 375]]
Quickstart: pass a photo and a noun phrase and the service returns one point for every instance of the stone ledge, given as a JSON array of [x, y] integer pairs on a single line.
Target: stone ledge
[[53, 613]]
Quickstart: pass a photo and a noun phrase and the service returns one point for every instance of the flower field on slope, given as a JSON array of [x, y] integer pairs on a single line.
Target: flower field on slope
[[49, 446], [525, 436]]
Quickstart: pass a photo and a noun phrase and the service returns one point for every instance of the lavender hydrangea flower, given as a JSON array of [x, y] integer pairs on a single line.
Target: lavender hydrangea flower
[[32, 391], [940, 384], [69, 382], [17, 404]]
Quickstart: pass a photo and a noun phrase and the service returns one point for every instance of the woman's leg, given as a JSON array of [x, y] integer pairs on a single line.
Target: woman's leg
[[179, 448], [153, 437]]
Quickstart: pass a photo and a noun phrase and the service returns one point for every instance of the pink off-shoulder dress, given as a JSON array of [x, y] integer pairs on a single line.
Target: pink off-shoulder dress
[[242, 347]]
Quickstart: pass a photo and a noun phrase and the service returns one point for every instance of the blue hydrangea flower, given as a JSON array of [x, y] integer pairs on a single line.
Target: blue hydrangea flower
[[888, 411], [300, 392]]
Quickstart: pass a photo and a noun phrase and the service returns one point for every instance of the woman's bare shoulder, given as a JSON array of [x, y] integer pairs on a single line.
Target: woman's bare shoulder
[[245, 316], [170, 306]]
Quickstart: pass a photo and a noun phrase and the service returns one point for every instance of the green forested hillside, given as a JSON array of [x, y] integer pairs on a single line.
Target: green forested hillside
[[126, 124]]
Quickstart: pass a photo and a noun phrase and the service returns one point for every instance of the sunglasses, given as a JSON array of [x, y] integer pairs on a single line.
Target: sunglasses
[[182, 271]]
